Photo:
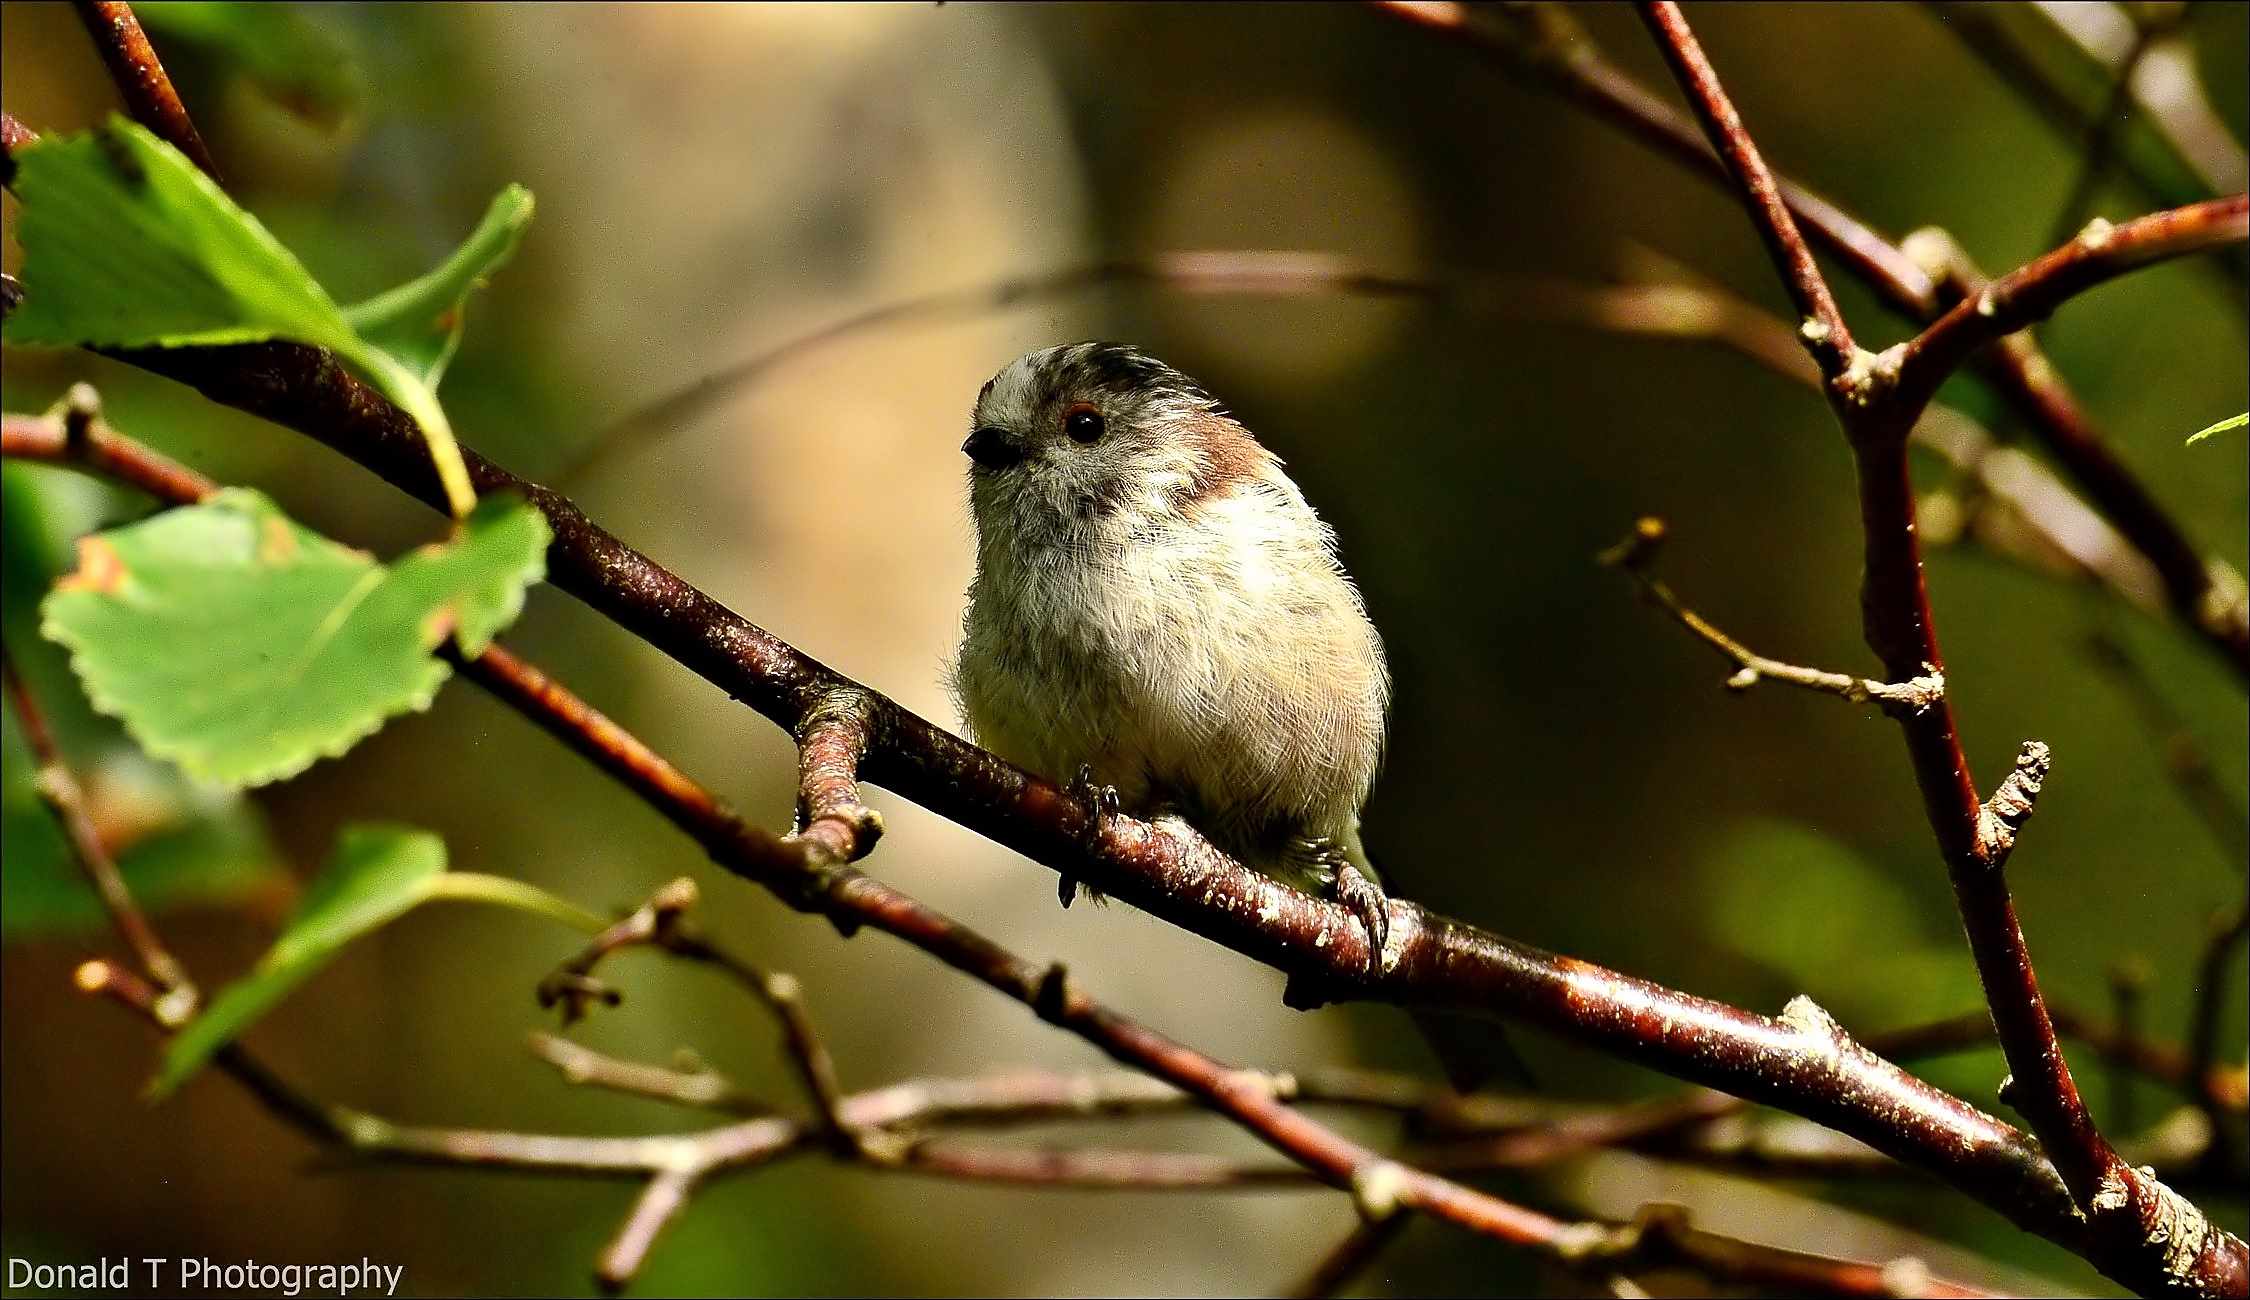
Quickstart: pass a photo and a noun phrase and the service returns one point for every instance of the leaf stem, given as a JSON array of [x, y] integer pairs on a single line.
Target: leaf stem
[[478, 887], [399, 383]]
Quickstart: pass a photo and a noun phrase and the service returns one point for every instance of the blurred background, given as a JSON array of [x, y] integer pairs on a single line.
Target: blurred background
[[714, 181]]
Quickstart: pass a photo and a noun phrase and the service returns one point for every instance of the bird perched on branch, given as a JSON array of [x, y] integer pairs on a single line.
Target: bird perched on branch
[[1158, 612]]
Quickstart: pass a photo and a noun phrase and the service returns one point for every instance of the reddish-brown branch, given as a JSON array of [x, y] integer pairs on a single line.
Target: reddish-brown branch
[[140, 78], [1825, 334], [2028, 295], [2143, 1232], [59, 789], [1802, 1062], [1182, 879], [804, 872], [1545, 46]]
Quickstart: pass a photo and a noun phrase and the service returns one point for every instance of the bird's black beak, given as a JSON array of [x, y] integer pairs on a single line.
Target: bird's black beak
[[993, 448]]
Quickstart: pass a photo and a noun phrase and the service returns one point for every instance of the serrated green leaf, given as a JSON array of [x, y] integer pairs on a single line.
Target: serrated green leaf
[[244, 647], [419, 322], [377, 874], [304, 66], [127, 244], [177, 843], [2233, 422]]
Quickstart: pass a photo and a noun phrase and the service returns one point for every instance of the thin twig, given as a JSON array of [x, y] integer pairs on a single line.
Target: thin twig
[[662, 922], [1826, 336], [59, 789], [1636, 554], [692, 1084], [2029, 294], [140, 78], [660, 1202], [1542, 44], [2144, 1233]]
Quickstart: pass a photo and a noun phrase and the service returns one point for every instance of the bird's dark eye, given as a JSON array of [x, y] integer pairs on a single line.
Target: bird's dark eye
[[1082, 422]]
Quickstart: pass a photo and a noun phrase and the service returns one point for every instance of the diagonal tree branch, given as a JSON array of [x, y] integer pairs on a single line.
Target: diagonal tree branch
[[1798, 1062], [1824, 332], [1638, 551], [1544, 45], [2026, 296], [807, 872], [2144, 1233], [59, 790], [1801, 1062], [140, 77]]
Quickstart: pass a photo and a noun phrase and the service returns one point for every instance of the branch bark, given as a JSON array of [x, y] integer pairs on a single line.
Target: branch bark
[[1799, 1061], [1547, 48], [2144, 1234], [140, 78]]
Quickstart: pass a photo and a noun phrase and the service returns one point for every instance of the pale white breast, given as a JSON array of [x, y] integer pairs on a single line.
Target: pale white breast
[[1220, 658]]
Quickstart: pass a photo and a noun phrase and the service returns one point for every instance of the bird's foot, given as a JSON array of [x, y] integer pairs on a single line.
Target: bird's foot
[[1102, 799], [1370, 904]]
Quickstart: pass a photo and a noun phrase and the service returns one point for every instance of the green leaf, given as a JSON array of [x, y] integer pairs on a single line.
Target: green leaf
[[178, 843], [419, 322], [127, 244], [378, 873], [244, 647], [2232, 422], [300, 63]]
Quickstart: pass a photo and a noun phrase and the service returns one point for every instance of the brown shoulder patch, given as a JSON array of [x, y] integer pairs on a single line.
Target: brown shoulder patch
[[1226, 454]]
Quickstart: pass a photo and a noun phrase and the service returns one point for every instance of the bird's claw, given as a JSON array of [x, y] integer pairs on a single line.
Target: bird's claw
[[1103, 801], [1371, 905]]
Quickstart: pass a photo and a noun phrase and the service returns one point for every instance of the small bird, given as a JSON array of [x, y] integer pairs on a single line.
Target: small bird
[[1158, 612]]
